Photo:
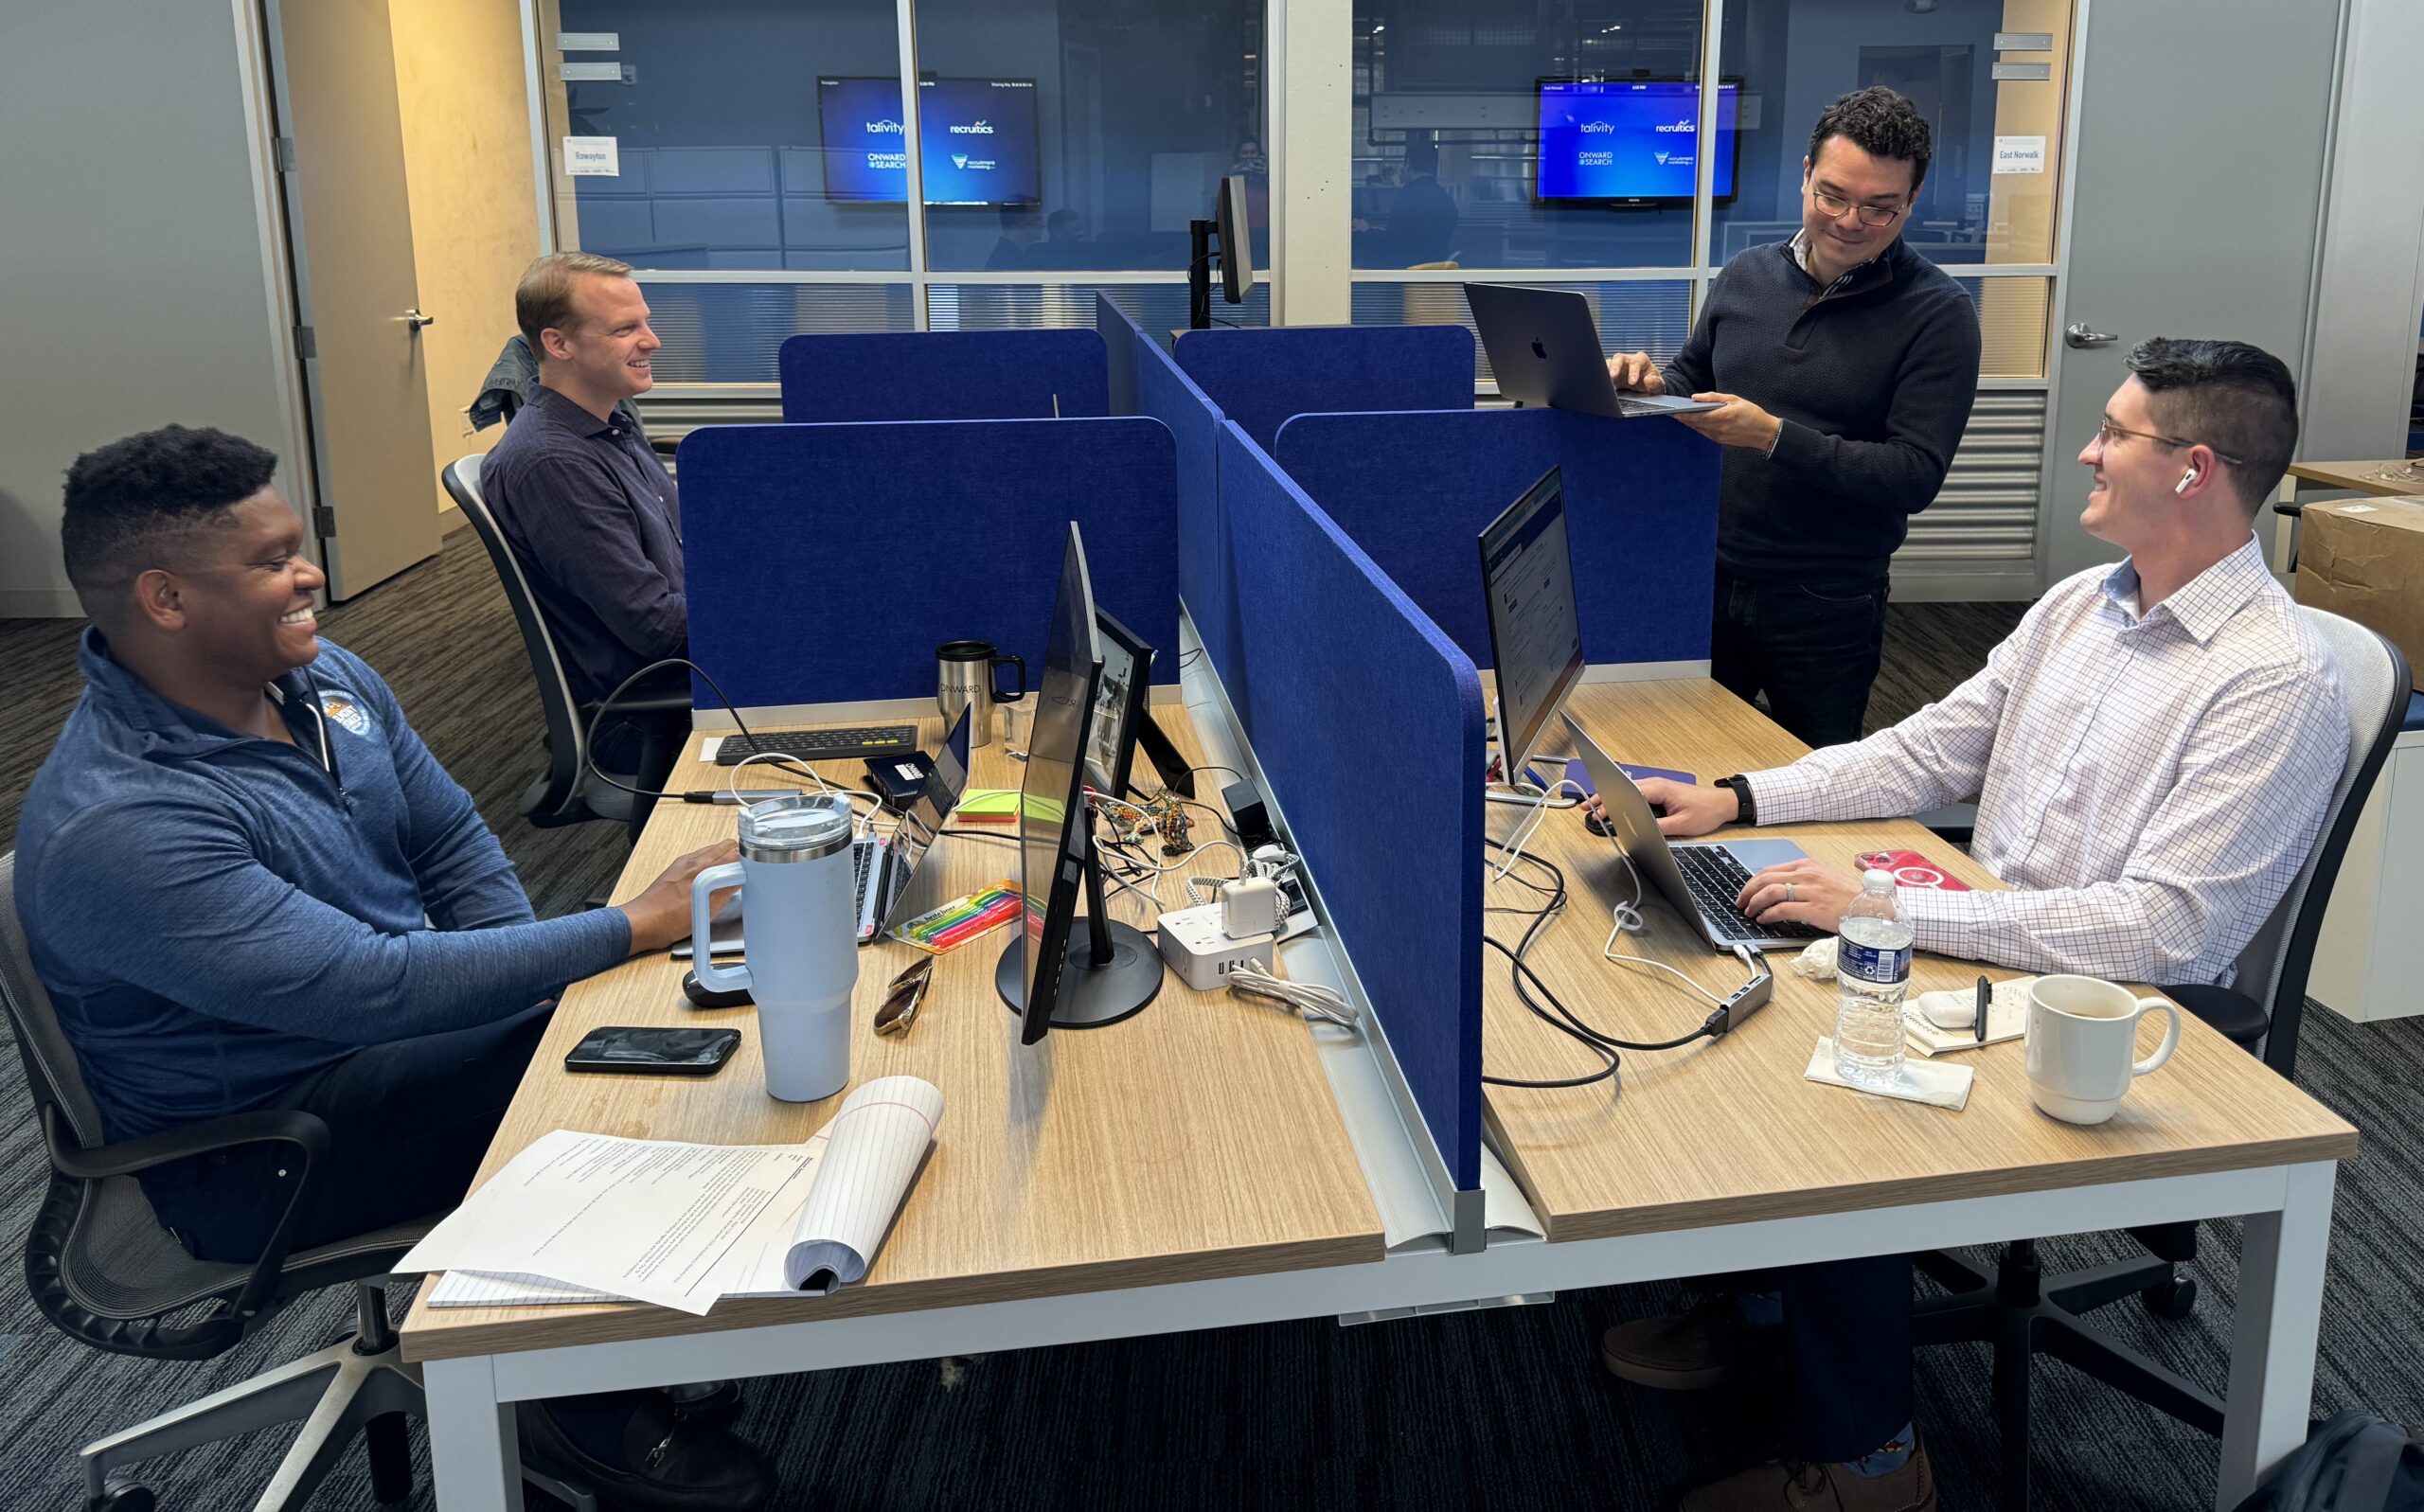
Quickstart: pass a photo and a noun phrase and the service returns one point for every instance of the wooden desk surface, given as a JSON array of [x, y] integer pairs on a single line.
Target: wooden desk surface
[[2360, 476], [1728, 1130], [1195, 1140]]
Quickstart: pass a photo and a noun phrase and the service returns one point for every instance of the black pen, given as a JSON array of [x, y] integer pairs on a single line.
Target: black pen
[[1985, 995], [746, 795]]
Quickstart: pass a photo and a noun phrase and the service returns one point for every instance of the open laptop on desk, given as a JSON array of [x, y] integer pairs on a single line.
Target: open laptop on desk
[[1544, 348], [885, 865], [1699, 879]]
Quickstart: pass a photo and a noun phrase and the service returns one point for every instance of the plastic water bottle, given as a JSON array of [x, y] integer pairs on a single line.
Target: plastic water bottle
[[1873, 967]]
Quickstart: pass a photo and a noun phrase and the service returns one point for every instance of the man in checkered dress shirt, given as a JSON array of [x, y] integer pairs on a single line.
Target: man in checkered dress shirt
[[2153, 750]]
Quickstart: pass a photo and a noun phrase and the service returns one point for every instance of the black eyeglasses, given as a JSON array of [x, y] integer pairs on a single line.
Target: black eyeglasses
[[2106, 431], [1835, 205], [902, 999]]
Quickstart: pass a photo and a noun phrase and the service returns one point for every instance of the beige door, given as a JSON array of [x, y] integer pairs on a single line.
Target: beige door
[[351, 220]]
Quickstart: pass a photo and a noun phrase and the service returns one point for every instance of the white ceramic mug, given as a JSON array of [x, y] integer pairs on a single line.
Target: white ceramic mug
[[2082, 1038]]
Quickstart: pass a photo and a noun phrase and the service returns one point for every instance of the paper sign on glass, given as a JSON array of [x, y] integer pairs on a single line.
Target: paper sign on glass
[[592, 157], [2020, 154]]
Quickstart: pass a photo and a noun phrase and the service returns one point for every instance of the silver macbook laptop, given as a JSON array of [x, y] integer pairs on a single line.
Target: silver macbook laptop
[[1699, 879], [1544, 348], [886, 866]]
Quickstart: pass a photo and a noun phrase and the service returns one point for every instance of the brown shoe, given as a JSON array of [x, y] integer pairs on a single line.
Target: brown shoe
[[1682, 1351], [1792, 1487]]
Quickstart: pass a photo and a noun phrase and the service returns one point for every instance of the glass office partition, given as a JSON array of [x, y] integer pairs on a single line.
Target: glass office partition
[[1064, 134], [729, 332], [709, 142], [1987, 74], [1640, 315], [1557, 135]]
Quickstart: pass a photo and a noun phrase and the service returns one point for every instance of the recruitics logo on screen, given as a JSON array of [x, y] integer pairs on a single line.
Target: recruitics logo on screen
[[1620, 141]]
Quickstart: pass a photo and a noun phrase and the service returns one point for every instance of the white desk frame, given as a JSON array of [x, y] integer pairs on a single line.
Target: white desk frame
[[2288, 1212]]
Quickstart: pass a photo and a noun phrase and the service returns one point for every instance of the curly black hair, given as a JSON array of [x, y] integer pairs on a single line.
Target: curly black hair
[[126, 499], [2237, 399], [1880, 123]]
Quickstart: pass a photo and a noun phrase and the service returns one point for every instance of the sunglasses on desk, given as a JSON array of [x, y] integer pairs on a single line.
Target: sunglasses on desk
[[902, 998]]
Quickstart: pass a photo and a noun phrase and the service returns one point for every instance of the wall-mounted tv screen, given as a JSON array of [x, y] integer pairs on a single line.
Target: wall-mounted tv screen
[[1631, 141], [980, 140]]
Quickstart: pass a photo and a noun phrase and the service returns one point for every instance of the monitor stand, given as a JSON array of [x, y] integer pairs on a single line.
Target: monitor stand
[[1111, 972], [1199, 274]]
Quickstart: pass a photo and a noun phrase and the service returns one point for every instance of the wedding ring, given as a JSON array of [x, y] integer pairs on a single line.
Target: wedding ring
[[1788, 892]]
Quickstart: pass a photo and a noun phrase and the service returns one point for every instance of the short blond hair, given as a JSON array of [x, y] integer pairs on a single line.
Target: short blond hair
[[543, 297]]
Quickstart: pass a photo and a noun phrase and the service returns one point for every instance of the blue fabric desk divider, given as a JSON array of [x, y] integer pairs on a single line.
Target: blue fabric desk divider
[[1414, 492], [825, 563], [1367, 723], [943, 375], [1118, 335], [1261, 377], [1207, 581]]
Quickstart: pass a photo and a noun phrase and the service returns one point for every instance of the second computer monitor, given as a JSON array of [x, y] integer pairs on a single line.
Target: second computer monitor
[[1119, 706], [1535, 632]]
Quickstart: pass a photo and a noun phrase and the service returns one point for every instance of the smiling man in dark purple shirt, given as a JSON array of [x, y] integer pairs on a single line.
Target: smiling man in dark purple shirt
[[589, 511]]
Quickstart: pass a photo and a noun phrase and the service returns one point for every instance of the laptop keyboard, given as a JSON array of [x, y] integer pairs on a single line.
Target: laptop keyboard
[[1716, 880]]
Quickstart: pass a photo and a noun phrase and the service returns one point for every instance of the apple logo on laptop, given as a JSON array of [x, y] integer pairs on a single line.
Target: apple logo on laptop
[[1540, 351]]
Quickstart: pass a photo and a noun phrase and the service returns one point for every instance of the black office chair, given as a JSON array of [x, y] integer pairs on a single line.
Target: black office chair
[[2021, 1310], [105, 1271], [568, 793]]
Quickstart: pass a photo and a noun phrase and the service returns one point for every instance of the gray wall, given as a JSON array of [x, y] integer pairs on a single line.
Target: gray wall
[[2362, 370], [136, 287]]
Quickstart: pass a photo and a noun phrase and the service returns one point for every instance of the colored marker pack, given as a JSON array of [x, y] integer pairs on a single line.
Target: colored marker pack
[[963, 918]]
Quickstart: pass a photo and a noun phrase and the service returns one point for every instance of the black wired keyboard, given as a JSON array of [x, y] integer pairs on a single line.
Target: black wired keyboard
[[1716, 880], [819, 745]]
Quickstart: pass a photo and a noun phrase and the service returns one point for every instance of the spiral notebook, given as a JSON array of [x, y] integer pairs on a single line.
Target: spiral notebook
[[591, 1218]]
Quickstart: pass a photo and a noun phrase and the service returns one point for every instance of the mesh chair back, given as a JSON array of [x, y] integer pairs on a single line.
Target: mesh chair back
[[51, 1061], [561, 789], [2273, 968]]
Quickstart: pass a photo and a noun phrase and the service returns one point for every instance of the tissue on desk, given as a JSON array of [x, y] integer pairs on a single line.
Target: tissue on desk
[[1939, 1085], [1817, 962]]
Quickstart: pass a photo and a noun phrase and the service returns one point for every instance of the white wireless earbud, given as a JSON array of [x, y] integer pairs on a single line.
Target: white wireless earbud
[[2185, 479]]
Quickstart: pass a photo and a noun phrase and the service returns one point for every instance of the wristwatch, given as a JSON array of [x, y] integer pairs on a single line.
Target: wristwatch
[[1741, 786]]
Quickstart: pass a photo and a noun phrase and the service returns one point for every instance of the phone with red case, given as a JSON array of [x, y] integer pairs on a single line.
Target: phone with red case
[[1911, 869]]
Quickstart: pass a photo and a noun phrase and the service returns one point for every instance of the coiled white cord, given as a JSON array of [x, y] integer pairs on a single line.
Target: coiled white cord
[[1311, 1000]]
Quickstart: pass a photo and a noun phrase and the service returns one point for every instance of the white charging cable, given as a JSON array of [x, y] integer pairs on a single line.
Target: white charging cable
[[860, 825], [1514, 846], [1629, 921], [1304, 996]]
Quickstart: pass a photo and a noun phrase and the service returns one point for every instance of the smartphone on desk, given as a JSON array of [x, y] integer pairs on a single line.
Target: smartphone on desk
[[653, 1052]]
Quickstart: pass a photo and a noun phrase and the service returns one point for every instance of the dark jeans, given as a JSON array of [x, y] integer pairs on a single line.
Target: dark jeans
[[1847, 1337], [1812, 648], [408, 1123]]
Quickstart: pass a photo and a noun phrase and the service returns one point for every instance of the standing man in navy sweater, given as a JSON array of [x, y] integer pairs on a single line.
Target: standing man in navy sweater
[[1845, 366], [247, 885]]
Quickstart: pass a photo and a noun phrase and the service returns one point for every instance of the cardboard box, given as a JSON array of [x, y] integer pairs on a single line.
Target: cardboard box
[[2364, 559]]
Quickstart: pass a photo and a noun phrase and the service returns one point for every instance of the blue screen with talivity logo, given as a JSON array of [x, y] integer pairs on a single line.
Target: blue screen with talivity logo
[[1630, 141], [979, 140]]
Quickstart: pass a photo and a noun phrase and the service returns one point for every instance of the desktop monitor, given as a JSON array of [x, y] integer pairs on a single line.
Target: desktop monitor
[[1632, 142], [1535, 633], [1234, 228], [1120, 708], [978, 141], [1055, 974]]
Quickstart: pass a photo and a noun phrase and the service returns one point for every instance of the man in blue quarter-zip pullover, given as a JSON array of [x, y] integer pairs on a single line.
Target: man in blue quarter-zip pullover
[[247, 885]]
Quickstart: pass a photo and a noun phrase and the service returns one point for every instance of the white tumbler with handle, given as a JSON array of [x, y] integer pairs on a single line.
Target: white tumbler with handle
[[798, 894]]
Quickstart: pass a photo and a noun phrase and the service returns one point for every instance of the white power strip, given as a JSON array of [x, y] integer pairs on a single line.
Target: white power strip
[[1194, 946]]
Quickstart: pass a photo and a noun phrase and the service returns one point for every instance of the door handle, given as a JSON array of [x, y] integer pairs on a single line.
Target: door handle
[[2080, 333], [415, 319]]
